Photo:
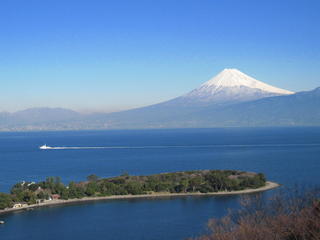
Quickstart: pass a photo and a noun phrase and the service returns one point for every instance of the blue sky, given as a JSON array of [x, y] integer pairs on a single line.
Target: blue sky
[[111, 55]]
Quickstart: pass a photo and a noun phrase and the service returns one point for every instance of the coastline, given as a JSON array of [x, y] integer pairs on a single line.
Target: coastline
[[269, 185]]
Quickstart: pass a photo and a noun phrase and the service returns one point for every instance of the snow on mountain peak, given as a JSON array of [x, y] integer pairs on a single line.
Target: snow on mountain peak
[[231, 77], [231, 86]]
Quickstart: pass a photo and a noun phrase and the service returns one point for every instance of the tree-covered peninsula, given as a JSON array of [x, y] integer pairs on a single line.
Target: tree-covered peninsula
[[201, 181]]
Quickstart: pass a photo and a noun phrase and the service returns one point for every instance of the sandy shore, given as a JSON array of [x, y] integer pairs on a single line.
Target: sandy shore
[[269, 185]]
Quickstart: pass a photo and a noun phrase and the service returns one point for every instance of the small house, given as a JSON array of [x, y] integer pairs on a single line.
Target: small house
[[55, 196]]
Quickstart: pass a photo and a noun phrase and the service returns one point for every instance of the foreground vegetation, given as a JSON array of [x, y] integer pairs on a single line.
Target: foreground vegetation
[[180, 182], [290, 215]]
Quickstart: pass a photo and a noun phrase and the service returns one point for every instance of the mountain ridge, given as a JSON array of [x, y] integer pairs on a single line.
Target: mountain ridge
[[228, 100]]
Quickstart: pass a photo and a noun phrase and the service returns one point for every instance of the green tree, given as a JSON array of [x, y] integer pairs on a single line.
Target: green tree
[[92, 178], [91, 188], [195, 182], [75, 191], [134, 188], [26, 196], [5, 200]]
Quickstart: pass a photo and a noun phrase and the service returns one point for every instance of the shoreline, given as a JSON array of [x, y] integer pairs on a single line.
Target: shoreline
[[269, 185]]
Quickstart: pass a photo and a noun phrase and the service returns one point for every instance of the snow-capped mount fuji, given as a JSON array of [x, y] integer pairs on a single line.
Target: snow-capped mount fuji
[[235, 78], [230, 86], [230, 99]]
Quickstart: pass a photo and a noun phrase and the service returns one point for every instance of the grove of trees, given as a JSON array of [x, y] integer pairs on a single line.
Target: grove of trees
[[203, 181]]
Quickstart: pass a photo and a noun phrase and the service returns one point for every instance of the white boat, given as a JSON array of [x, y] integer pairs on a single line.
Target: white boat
[[45, 147]]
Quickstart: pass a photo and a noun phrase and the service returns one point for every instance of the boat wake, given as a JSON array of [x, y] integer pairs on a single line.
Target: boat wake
[[45, 147]]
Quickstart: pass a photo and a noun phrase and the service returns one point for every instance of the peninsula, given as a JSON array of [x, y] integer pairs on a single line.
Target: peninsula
[[52, 191]]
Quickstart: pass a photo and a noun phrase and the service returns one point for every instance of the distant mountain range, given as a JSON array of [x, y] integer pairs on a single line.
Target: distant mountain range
[[232, 98]]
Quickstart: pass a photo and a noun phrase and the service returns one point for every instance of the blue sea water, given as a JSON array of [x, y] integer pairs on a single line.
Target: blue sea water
[[286, 155]]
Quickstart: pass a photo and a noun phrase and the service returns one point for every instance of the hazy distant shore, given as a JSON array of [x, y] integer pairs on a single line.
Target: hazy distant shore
[[269, 185]]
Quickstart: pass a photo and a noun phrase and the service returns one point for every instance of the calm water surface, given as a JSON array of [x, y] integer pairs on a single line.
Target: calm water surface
[[285, 155]]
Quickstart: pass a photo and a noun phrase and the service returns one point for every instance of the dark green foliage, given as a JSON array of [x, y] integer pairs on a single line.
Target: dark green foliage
[[134, 188], [92, 178], [33, 187], [179, 182], [43, 195], [91, 189], [28, 197], [17, 188], [75, 191], [5, 200], [53, 184], [24, 192]]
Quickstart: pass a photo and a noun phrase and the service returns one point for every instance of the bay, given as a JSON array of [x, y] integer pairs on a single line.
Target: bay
[[286, 155]]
